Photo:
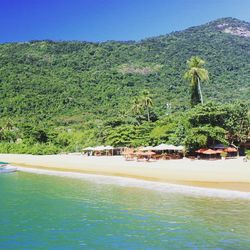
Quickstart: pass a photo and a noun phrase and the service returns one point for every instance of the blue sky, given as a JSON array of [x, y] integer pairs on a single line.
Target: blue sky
[[101, 20]]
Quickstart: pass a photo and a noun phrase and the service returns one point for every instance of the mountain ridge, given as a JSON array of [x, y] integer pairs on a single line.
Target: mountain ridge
[[230, 20]]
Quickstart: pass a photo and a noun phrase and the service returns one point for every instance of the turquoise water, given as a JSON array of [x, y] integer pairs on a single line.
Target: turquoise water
[[50, 212]]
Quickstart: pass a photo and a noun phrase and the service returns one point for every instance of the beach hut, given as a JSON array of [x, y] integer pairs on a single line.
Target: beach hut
[[109, 150], [98, 150], [163, 147], [170, 151], [88, 150], [160, 151], [103, 150]]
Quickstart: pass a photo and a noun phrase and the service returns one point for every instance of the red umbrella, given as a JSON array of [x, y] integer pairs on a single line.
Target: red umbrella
[[230, 150], [219, 151], [209, 152], [201, 150]]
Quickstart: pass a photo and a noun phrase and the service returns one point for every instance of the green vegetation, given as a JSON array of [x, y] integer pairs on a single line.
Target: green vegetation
[[248, 154], [195, 75], [142, 105], [63, 96], [202, 126]]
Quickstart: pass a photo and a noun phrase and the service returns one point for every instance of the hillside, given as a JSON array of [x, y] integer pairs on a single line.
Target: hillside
[[82, 80], [49, 89]]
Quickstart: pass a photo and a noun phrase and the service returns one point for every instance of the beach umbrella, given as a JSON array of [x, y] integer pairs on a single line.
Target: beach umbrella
[[209, 152], [230, 150], [201, 150], [219, 151]]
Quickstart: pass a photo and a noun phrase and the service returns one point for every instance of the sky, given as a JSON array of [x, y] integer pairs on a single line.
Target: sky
[[102, 20]]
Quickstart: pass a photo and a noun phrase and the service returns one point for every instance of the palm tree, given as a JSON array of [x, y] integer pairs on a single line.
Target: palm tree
[[195, 74], [146, 102], [136, 106]]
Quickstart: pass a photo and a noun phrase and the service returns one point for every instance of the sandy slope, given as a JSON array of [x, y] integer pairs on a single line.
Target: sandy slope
[[227, 174]]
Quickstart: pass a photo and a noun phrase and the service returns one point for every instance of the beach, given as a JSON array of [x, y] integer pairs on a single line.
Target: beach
[[233, 174]]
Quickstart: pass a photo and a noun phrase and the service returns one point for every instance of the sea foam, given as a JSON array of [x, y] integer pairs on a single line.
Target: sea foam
[[145, 184]]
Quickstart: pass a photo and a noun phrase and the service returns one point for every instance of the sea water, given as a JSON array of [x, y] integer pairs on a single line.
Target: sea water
[[54, 212]]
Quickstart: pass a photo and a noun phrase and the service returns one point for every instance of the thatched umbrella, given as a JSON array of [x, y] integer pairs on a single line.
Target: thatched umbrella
[[230, 150], [219, 151], [209, 152], [201, 150]]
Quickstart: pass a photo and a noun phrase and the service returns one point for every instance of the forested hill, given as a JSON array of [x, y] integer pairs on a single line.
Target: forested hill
[[79, 81]]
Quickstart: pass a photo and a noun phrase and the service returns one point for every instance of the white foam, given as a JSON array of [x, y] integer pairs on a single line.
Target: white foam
[[157, 186]]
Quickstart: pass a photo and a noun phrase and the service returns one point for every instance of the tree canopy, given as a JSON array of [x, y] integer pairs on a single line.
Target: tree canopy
[[62, 96]]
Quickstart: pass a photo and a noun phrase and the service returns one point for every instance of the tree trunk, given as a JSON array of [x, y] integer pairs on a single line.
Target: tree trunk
[[199, 87], [148, 114]]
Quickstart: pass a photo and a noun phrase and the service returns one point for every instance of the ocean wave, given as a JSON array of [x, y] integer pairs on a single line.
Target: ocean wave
[[145, 184]]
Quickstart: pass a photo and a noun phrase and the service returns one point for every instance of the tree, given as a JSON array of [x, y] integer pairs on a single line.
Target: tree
[[146, 102], [137, 110], [237, 123], [121, 136], [136, 106], [204, 136], [195, 74], [142, 104]]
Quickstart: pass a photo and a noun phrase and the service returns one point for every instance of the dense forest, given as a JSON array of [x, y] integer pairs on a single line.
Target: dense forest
[[62, 96]]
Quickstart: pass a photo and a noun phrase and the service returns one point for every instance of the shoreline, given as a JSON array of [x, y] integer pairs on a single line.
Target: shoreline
[[145, 184], [228, 175]]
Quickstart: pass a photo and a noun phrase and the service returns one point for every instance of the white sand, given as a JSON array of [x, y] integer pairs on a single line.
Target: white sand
[[231, 174]]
